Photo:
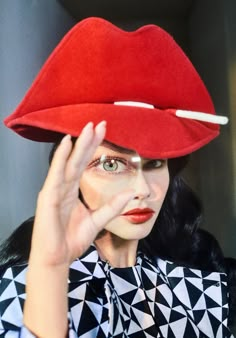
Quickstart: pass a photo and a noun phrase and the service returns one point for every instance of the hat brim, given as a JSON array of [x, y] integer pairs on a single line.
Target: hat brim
[[153, 133]]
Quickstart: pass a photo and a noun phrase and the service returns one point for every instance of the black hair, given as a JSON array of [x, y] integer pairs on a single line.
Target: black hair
[[16, 248], [176, 235]]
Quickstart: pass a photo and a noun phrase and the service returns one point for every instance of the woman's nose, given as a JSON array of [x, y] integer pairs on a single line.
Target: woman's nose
[[141, 187]]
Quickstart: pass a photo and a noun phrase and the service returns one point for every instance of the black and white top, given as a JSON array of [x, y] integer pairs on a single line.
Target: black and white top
[[154, 298]]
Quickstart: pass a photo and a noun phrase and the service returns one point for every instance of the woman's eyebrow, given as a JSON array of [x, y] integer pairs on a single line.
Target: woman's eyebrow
[[117, 148]]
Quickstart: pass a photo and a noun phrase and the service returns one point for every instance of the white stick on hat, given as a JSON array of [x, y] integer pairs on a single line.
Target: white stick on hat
[[188, 114], [202, 116]]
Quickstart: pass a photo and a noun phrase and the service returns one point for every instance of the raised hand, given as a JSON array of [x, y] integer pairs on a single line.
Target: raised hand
[[64, 228]]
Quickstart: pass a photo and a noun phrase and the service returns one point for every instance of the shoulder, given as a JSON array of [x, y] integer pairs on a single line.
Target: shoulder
[[12, 296], [173, 269], [13, 281], [183, 279], [203, 293], [193, 279], [197, 289]]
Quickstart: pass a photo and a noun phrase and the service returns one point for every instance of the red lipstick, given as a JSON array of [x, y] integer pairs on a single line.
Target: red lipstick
[[138, 215]]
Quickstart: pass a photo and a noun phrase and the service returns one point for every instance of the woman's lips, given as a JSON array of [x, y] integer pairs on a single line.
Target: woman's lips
[[139, 215]]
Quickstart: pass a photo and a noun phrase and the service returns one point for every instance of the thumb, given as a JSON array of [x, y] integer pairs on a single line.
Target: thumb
[[111, 209]]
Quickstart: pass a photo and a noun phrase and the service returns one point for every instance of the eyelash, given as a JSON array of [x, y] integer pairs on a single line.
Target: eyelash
[[97, 161], [147, 166]]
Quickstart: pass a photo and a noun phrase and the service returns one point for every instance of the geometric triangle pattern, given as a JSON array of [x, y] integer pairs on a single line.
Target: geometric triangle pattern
[[154, 298]]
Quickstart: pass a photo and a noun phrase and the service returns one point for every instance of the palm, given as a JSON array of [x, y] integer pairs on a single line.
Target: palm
[[64, 227]]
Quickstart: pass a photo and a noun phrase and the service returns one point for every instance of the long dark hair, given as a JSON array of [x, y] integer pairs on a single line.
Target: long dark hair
[[176, 235]]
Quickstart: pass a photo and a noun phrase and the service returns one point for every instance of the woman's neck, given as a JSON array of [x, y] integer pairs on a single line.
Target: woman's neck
[[118, 252]]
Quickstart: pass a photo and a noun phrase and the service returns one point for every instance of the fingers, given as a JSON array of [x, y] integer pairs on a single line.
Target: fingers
[[67, 164], [84, 148], [58, 164], [112, 209]]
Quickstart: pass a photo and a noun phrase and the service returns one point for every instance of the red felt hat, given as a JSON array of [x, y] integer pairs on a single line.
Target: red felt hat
[[140, 82]]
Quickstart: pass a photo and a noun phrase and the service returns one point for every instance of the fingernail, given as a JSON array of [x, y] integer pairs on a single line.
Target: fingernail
[[102, 123], [65, 138], [89, 125]]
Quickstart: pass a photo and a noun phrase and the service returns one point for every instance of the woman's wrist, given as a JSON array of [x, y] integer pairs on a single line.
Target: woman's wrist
[[46, 306]]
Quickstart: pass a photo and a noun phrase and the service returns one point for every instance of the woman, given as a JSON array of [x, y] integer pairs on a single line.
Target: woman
[[98, 264]]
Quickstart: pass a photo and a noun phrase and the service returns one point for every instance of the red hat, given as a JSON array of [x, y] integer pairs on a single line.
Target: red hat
[[140, 82]]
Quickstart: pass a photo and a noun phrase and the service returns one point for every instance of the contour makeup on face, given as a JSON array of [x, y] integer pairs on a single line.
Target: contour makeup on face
[[112, 170]]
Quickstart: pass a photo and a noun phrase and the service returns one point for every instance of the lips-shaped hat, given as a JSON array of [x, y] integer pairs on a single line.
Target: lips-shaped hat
[[140, 82]]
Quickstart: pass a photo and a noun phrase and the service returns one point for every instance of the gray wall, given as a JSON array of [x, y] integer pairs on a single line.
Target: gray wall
[[29, 30]]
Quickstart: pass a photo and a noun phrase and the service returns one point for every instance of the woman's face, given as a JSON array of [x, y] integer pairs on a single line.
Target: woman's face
[[114, 169]]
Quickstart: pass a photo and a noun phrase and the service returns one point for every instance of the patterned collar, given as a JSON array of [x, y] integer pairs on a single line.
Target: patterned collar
[[91, 266]]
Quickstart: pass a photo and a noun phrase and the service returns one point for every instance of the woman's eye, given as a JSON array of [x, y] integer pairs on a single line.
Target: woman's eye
[[111, 165], [153, 164], [118, 165]]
